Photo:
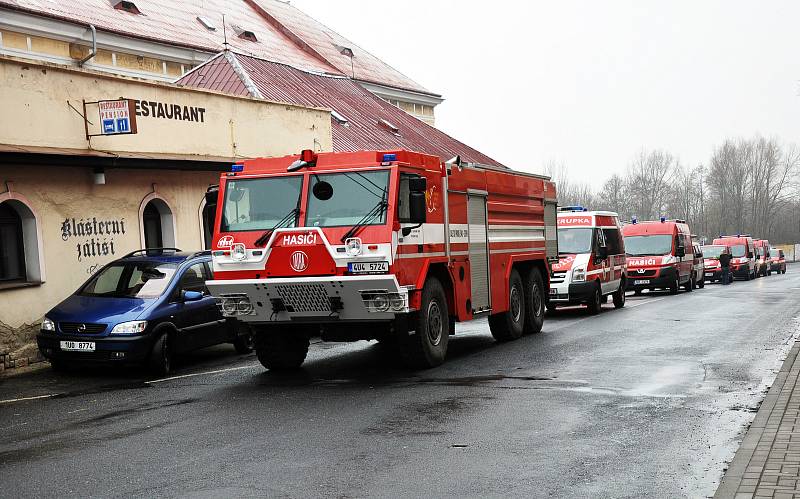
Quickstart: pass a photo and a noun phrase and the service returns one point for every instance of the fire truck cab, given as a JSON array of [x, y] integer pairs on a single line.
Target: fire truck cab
[[389, 245], [660, 255], [743, 264], [591, 260]]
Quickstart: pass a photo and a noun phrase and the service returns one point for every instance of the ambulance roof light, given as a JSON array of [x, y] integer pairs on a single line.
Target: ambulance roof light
[[572, 208], [663, 219], [237, 167], [389, 157], [634, 220]]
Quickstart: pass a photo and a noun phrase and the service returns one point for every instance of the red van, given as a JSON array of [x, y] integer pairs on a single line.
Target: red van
[[660, 255], [743, 264], [762, 257], [711, 253], [777, 261]]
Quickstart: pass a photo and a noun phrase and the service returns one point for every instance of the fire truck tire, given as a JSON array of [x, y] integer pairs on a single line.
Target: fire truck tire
[[619, 296], [280, 351], [595, 303], [535, 302], [701, 283], [510, 325], [427, 347]]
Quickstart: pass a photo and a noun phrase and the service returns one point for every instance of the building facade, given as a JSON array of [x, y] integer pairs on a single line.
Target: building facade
[[70, 204]]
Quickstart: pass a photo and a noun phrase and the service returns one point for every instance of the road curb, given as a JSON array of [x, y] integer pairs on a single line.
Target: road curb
[[737, 468]]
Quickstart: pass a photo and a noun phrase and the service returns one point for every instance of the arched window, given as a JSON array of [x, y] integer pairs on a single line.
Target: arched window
[[21, 257], [157, 223], [12, 245]]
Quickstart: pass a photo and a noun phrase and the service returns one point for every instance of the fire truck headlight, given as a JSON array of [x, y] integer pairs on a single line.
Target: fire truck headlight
[[397, 301], [380, 302], [238, 251], [353, 246], [243, 306], [579, 274], [229, 306]]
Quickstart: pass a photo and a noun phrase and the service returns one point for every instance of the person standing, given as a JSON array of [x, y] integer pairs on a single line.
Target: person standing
[[725, 263]]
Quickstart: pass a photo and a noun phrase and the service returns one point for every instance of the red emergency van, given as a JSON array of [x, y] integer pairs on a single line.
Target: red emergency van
[[777, 261], [743, 264], [762, 256], [591, 260], [660, 255], [711, 254]]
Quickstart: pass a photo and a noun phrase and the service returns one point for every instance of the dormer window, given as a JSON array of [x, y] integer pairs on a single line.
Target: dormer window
[[339, 117], [245, 34], [388, 126], [127, 6], [207, 24]]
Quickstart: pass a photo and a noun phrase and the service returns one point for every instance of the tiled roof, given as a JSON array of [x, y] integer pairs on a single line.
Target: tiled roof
[[285, 34], [331, 45], [362, 109], [175, 23]]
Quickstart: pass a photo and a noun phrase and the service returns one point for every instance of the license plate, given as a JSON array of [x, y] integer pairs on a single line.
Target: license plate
[[553, 291], [77, 346], [641, 281], [368, 267]]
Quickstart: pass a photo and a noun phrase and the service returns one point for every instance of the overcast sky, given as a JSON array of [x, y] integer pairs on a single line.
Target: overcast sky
[[588, 83]]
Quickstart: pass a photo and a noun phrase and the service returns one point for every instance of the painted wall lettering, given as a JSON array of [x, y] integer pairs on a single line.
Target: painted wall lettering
[[164, 110], [95, 238]]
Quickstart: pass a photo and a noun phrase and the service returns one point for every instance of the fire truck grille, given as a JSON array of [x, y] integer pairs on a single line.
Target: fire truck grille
[[646, 273], [558, 277], [304, 297]]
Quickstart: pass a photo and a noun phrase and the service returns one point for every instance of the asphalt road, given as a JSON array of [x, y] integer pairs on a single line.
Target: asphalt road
[[645, 401]]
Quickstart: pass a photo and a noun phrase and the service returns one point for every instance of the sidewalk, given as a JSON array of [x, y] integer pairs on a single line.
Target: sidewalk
[[767, 463]]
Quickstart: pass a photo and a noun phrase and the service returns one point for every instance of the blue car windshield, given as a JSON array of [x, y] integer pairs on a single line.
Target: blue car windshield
[[130, 280]]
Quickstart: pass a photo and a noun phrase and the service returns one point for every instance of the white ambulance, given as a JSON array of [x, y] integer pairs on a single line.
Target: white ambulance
[[591, 260]]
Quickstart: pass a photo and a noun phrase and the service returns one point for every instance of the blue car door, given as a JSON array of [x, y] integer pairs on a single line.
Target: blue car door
[[197, 321]]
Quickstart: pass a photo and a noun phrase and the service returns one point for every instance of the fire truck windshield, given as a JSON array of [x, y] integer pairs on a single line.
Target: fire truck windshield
[[572, 241], [353, 202], [259, 203], [660, 244]]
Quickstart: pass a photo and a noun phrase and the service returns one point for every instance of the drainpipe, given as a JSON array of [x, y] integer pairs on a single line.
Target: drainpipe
[[94, 46]]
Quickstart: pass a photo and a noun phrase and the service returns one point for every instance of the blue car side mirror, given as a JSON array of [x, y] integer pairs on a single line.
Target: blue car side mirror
[[191, 295]]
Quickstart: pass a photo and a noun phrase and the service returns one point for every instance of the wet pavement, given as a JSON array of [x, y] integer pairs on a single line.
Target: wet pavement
[[650, 401]]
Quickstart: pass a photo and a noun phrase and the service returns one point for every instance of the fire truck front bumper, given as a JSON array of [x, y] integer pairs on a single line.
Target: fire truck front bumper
[[311, 299]]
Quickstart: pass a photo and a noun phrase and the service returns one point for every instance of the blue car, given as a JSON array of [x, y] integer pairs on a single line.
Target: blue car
[[141, 309]]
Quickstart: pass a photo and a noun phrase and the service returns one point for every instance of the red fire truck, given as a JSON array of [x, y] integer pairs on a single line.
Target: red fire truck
[[387, 245]]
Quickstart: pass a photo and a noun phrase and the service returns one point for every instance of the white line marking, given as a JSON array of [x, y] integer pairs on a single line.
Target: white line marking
[[199, 374], [9, 401]]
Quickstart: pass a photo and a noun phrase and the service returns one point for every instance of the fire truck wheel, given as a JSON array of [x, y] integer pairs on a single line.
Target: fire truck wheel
[[244, 343], [595, 303], [427, 347], [535, 302], [619, 296], [701, 283], [509, 325], [279, 351]]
